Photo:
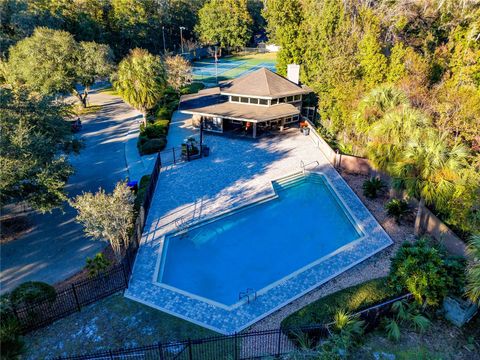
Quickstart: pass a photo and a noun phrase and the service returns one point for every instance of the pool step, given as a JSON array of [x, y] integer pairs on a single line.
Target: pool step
[[288, 181], [295, 179]]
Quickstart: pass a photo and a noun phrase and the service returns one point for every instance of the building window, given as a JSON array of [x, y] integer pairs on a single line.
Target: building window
[[289, 98], [235, 98], [274, 101], [253, 101], [244, 100], [298, 97], [281, 100], [263, 101]]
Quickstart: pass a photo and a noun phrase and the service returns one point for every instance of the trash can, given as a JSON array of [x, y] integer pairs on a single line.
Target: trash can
[[306, 131]]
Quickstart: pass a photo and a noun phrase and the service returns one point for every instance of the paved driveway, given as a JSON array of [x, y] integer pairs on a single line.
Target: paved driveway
[[56, 248]]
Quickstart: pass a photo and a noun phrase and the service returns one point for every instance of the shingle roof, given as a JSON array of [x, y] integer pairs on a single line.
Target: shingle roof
[[263, 83], [239, 111]]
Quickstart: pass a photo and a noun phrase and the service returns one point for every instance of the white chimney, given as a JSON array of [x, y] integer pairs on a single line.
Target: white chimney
[[293, 73]]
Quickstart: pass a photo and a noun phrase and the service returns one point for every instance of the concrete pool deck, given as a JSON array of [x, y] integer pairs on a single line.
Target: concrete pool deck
[[237, 172]]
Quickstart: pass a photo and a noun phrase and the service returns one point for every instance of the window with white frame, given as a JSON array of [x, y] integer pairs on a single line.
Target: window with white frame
[[263, 101]]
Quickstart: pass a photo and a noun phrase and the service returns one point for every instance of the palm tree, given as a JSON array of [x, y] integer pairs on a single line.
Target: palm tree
[[389, 135], [140, 80], [473, 270], [427, 168], [376, 104]]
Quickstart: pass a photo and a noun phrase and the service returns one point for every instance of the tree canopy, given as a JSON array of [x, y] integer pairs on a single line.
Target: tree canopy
[[385, 72], [52, 62], [224, 22], [34, 138]]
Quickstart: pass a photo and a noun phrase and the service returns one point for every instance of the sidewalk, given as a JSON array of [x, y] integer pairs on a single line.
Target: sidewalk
[[137, 165]]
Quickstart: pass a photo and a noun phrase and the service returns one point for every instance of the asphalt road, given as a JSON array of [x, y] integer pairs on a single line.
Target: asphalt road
[[56, 247]]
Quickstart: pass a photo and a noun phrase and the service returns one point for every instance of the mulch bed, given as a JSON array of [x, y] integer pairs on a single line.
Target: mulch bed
[[83, 274]]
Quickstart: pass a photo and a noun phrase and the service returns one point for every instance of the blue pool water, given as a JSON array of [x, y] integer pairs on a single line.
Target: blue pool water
[[259, 245]]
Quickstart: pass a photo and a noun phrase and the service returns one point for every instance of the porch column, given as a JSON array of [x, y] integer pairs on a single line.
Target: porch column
[[282, 124], [254, 130]]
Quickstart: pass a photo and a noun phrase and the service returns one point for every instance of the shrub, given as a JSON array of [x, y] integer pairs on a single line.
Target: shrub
[[152, 146], [405, 314], [31, 292], [163, 113], [11, 343], [372, 187], [97, 265], [192, 88], [351, 299], [426, 271], [172, 105], [156, 130], [397, 209], [142, 139], [142, 190]]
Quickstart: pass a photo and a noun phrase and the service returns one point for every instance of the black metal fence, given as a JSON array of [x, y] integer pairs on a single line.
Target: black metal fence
[[238, 346], [72, 298]]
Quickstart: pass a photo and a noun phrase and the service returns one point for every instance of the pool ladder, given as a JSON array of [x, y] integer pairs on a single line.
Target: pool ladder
[[303, 165], [181, 223], [250, 294]]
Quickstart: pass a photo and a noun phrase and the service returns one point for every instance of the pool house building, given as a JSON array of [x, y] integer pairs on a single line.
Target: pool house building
[[256, 103]]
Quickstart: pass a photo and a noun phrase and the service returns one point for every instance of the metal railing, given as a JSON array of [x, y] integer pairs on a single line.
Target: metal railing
[[72, 298], [239, 346]]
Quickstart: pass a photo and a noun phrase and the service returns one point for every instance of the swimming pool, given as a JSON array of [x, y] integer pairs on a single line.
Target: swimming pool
[[254, 248]]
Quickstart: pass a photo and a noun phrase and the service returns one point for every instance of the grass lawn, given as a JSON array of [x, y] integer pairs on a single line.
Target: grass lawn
[[351, 299], [109, 91], [113, 322], [90, 109]]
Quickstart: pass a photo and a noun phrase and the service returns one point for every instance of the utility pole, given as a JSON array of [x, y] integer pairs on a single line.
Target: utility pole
[[181, 37], [216, 65], [163, 34]]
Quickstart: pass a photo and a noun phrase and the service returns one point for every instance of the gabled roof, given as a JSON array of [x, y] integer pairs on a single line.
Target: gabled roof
[[262, 83]]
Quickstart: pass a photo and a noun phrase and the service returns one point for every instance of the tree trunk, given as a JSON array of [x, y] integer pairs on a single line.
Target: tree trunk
[[82, 97], [85, 95], [418, 220], [144, 117]]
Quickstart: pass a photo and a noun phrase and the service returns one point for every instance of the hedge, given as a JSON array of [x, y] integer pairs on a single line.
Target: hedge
[[142, 190], [152, 146], [351, 299]]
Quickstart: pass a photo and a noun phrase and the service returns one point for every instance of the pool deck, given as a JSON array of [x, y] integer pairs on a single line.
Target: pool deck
[[237, 172]]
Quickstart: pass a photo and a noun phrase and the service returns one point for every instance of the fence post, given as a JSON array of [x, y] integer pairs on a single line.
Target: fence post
[[279, 342], [235, 348], [76, 297], [110, 354], [125, 275], [160, 350], [190, 355]]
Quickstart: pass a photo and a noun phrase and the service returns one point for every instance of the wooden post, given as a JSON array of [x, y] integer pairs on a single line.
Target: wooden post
[[254, 130]]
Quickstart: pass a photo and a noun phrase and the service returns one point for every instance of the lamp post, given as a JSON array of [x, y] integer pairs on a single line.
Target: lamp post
[[163, 35], [181, 37]]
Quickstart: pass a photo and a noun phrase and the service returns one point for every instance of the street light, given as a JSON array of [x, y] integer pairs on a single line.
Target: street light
[[181, 37], [163, 34]]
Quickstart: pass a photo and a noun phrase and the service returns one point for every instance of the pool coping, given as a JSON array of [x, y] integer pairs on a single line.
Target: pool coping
[[229, 319]]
